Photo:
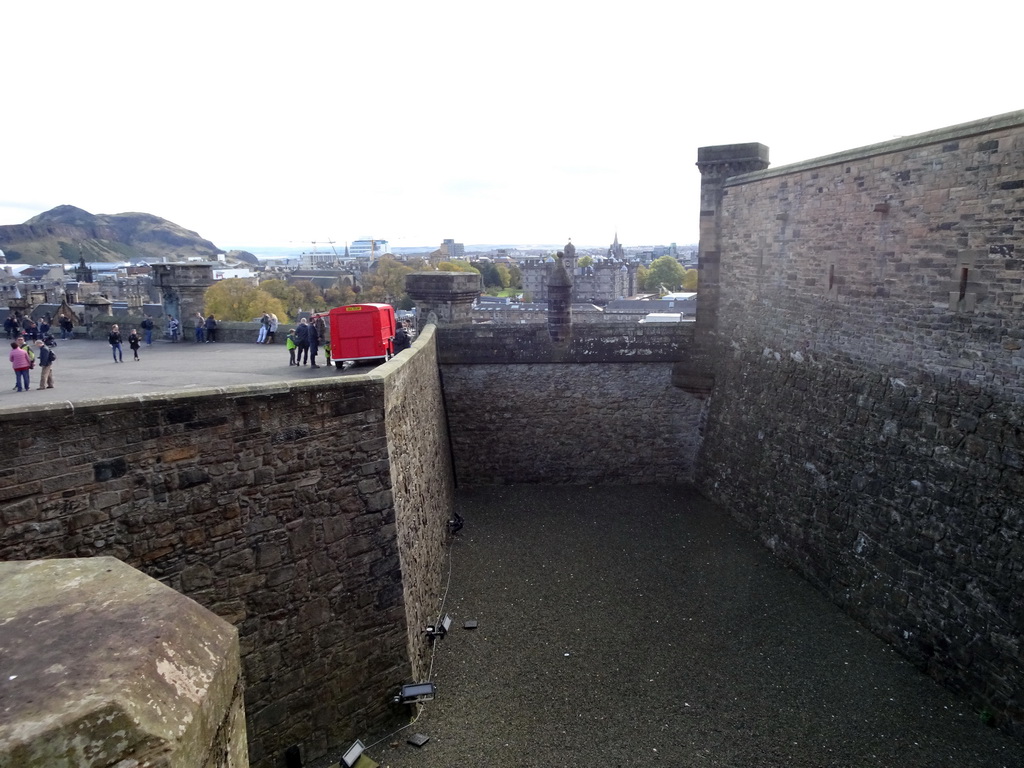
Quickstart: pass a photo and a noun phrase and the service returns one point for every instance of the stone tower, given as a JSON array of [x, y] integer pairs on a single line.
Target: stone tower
[[559, 301], [570, 258], [716, 165]]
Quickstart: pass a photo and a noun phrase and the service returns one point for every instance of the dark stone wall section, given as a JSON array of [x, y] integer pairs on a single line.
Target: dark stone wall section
[[867, 418], [297, 514]]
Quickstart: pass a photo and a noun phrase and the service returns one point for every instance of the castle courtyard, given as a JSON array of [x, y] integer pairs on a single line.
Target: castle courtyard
[[85, 370], [637, 626]]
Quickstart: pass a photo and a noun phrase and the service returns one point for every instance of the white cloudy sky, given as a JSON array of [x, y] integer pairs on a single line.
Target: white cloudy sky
[[257, 123]]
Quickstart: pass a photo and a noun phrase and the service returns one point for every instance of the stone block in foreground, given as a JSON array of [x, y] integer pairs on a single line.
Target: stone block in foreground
[[102, 664]]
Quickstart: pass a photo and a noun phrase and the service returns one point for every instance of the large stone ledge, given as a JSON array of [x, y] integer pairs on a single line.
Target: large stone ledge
[[941, 135], [104, 665]]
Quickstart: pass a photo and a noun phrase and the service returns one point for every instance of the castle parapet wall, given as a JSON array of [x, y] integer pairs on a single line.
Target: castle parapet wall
[[310, 515]]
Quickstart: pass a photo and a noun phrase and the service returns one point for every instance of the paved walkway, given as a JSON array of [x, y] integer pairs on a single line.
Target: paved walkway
[[85, 370], [639, 626]]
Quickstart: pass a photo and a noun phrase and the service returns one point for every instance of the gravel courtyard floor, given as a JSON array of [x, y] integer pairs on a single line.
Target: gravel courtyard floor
[[636, 626]]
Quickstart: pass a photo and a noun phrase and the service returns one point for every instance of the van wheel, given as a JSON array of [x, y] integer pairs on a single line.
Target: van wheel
[[339, 364]]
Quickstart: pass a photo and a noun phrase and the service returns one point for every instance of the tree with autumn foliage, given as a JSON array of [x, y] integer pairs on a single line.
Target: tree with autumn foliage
[[238, 299]]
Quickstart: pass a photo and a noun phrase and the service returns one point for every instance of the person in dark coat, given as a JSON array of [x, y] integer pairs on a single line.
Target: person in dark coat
[[314, 344], [402, 340], [135, 341], [302, 342]]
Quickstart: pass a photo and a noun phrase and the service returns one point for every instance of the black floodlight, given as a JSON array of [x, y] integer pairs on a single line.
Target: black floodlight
[[415, 693], [471, 624], [440, 629], [353, 753], [418, 739], [455, 524]]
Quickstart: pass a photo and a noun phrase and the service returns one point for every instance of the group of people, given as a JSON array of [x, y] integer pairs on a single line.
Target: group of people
[[303, 342], [114, 339], [205, 328], [16, 324], [268, 328], [23, 359]]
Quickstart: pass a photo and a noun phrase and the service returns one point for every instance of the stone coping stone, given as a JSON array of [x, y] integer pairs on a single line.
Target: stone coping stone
[[102, 663], [938, 136]]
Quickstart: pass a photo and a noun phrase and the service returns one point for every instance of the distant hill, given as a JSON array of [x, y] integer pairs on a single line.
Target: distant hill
[[56, 236]]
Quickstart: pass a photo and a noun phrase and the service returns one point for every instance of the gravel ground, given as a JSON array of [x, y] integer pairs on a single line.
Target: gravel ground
[[635, 626]]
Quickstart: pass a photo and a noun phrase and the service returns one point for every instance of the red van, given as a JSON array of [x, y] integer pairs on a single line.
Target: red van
[[361, 332]]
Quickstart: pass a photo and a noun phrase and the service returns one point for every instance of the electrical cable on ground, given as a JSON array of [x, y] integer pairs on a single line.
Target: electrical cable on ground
[[433, 649]]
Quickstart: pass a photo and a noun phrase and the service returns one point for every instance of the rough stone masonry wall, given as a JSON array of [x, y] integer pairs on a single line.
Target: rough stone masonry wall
[[599, 409], [868, 412], [276, 507], [422, 483]]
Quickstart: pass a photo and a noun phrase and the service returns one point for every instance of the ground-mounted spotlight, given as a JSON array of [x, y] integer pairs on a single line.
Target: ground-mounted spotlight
[[440, 629], [352, 755], [455, 524], [414, 693]]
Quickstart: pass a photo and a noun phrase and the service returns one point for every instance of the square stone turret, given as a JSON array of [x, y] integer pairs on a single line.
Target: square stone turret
[[449, 296], [183, 286]]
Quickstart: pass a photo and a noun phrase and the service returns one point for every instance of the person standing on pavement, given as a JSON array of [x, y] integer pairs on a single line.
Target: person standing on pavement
[[46, 358], [401, 340], [313, 334], [211, 329], [114, 340], [21, 363], [200, 325], [302, 342], [147, 329], [289, 344], [272, 331], [134, 342], [67, 328]]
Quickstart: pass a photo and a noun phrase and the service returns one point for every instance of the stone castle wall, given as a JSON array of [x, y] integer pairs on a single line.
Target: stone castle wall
[[294, 511], [600, 408], [867, 418]]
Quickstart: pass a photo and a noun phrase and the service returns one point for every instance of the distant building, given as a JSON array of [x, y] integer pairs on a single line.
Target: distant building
[[451, 250], [616, 251], [367, 249], [599, 283]]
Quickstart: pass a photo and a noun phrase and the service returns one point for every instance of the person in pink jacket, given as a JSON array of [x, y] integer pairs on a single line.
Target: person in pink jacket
[[21, 363]]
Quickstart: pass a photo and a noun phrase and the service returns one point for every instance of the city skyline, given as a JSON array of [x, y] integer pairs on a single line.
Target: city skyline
[[557, 121]]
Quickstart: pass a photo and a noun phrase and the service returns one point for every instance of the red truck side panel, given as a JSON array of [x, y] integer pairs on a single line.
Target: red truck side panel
[[362, 331]]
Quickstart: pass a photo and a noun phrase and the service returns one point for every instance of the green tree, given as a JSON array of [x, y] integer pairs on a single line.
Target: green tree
[[586, 260], [340, 294], [456, 266], [237, 299], [504, 276], [515, 277], [311, 296], [690, 280], [289, 295], [641, 277], [664, 272], [386, 284]]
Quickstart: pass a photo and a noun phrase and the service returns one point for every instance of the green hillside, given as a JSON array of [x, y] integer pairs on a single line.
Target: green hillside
[[66, 233]]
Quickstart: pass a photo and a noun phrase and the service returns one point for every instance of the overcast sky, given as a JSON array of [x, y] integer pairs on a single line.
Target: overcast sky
[[529, 122]]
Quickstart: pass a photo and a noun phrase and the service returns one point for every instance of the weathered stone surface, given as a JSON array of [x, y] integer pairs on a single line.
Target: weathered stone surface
[[571, 424], [250, 500], [105, 665], [868, 403]]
